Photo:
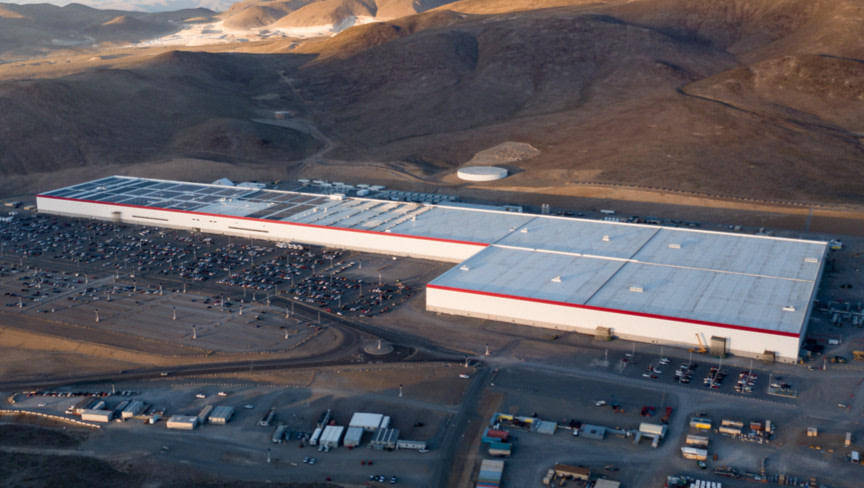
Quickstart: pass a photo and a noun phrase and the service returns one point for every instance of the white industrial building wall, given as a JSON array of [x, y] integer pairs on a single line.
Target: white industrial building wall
[[642, 328], [374, 242]]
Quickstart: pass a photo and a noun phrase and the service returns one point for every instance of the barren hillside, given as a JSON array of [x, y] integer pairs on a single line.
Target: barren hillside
[[748, 98]]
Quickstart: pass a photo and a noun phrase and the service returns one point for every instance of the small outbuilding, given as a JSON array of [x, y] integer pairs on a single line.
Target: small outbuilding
[[221, 415], [182, 422], [385, 439], [366, 421], [93, 415], [331, 436], [353, 437], [597, 432]]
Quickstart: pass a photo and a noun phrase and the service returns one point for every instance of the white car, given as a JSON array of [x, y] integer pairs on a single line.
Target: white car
[[600, 403], [464, 376]]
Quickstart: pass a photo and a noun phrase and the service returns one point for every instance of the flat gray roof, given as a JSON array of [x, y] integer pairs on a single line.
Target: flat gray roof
[[754, 281]]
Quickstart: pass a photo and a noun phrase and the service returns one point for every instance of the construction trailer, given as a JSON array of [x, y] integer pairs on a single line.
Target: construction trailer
[[204, 414], [331, 436], [409, 444], [366, 421], [182, 422], [93, 415], [221, 415], [353, 437], [694, 453], [279, 434], [384, 439], [316, 435], [597, 432], [696, 441], [134, 408]]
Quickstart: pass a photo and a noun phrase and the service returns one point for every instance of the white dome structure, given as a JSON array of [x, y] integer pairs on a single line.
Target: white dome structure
[[481, 173]]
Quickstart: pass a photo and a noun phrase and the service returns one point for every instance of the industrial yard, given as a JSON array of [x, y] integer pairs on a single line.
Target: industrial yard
[[240, 358]]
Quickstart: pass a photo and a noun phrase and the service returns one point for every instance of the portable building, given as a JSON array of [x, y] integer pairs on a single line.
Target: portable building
[[366, 421], [331, 436], [182, 422], [647, 429], [729, 430], [353, 437], [385, 439], [204, 414], [118, 410], [93, 415], [597, 432], [221, 415], [279, 434], [316, 435], [545, 427], [696, 440], [694, 453], [385, 422], [409, 444], [134, 408]]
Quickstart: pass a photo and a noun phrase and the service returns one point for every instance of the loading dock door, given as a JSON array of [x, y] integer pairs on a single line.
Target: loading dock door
[[718, 347]]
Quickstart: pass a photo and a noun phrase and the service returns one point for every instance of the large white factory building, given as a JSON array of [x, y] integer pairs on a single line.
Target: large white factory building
[[744, 294]]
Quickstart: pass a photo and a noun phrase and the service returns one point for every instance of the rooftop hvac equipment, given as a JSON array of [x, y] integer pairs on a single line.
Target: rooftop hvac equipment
[[674, 245], [556, 279], [636, 289]]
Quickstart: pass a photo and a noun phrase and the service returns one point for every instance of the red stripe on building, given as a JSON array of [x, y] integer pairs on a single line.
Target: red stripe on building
[[612, 310]]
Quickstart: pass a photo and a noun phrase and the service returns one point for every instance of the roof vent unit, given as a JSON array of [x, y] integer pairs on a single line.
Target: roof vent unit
[[789, 308], [674, 245], [556, 279], [464, 267], [524, 230], [811, 260], [605, 238], [636, 289]]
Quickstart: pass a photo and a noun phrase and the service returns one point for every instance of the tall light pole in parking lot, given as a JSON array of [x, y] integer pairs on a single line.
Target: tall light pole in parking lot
[[194, 332], [173, 313], [97, 315]]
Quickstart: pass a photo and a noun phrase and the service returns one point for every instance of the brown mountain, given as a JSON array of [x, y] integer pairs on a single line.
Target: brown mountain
[[751, 98], [28, 31], [290, 14]]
